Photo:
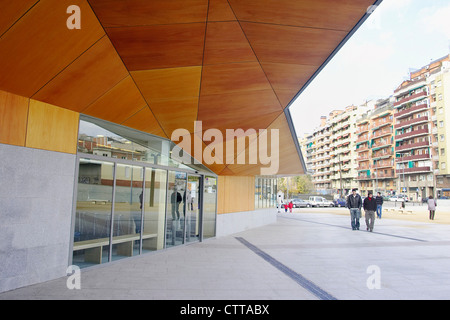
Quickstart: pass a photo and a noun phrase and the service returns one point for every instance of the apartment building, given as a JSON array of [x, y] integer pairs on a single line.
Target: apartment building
[[420, 137], [330, 151], [343, 153], [439, 89], [319, 151], [397, 145], [374, 147]]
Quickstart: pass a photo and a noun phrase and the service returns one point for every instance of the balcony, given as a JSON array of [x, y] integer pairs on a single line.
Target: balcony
[[411, 98], [362, 139], [361, 149], [361, 130], [411, 146], [411, 110], [411, 122], [381, 155], [380, 124], [411, 134], [413, 170], [385, 175], [425, 156], [383, 165], [381, 133]]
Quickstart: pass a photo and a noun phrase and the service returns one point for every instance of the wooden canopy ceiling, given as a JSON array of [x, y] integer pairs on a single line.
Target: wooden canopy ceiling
[[159, 65]]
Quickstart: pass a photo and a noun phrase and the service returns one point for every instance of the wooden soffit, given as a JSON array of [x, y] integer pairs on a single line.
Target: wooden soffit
[[159, 65]]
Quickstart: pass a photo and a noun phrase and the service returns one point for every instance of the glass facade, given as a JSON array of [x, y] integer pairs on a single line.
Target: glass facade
[[265, 192], [209, 207], [132, 198]]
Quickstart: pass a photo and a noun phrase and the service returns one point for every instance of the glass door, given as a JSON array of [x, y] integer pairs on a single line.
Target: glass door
[[193, 208], [176, 208], [127, 211]]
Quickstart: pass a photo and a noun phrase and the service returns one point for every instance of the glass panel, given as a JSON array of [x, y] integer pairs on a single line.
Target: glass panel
[[175, 209], [154, 209], [257, 193], [193, 209], [93, 213], [108, 139], [127, 211], [209, 207]]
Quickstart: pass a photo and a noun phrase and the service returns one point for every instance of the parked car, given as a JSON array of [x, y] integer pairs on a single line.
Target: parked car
[[320, 202], [300, 203], [340, 202], [404, 196], [396, 199]]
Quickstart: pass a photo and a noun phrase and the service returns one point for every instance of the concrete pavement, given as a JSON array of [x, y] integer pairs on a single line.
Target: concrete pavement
[[307, 255]]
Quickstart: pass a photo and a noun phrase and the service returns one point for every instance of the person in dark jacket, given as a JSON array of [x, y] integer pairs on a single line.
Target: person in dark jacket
[[354, 203], [370, 206], [379, 200]]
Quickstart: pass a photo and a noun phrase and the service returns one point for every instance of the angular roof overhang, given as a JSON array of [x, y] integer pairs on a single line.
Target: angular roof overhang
[[160, 65]]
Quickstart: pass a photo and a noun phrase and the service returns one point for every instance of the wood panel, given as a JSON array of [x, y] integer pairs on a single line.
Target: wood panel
[[40, 45], [235, 194], [172, 95], [283, 153], [13, 118], [119, 103], [169, 84], [85, 80], [226, 43], [233, 78], [288, 76], [324, 14], [12, 11], [287, 79], [176, 114], [119, 13], [238, 110], [220, 10], [145, 121], [52, 128], [292, 45], [159, 47]]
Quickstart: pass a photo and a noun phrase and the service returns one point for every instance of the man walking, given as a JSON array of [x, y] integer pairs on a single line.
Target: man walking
[[370, 206], [379, 200], [354, 203]]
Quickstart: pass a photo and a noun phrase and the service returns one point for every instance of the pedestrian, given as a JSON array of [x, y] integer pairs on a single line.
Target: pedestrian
[[354, 203], [291, 205], [285, 207], [431, 206], [370, 206], [379, 200]]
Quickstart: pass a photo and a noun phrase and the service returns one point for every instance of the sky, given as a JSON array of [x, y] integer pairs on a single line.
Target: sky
[[399, 36]]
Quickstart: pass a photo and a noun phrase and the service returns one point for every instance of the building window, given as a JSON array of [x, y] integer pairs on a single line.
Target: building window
[[442, 151], [443, 165], [442, 137]]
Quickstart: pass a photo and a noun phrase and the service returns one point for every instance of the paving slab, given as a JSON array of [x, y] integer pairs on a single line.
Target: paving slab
[[307, 255]]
